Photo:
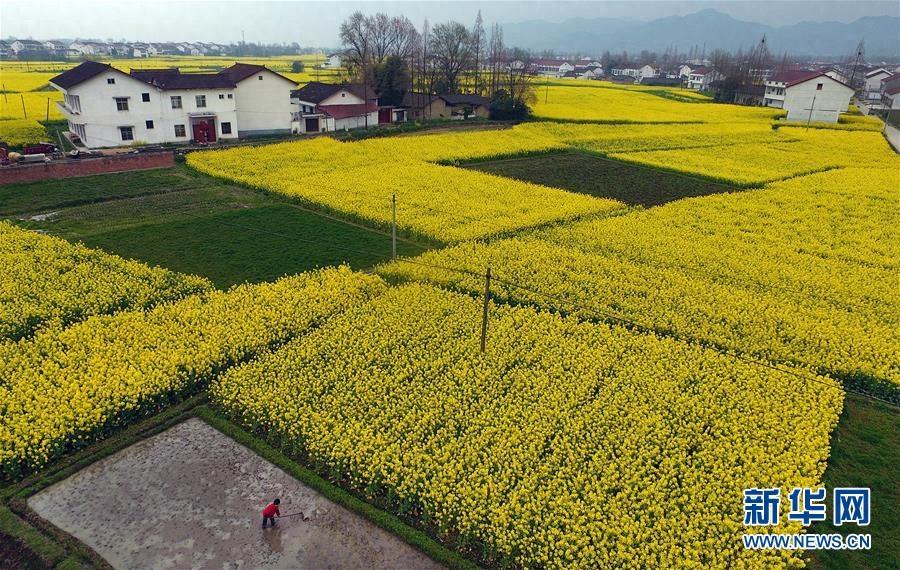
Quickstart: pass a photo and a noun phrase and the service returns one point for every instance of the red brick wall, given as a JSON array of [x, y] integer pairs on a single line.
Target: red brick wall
[[72, 168]]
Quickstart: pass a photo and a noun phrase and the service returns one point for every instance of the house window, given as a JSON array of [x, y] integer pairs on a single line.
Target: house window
[[226, 128], [819, 86], [176, 101], [121, 103], [260, 77], [145, 97], [110, 80], [127, 133], [201, 101], [230, 96], [221, 95], [149, 124], [179, 131]]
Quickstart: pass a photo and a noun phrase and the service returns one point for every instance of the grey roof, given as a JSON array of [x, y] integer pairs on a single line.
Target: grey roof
[[316, 92], [465, 99], [80, 73], [172, 79]]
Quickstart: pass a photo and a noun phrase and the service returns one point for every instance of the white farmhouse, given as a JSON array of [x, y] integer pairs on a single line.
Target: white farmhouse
[[551, 67], [808, 95], [108, 107], [701, 76], [332, 61], [647, 71], [323, 107], [872, 87], [684, 71], [875, 77]]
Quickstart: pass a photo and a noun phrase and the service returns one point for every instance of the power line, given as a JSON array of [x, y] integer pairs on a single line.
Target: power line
[[629, 323]]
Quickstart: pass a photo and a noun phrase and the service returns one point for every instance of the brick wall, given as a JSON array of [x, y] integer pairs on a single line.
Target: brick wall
[[72, 168]]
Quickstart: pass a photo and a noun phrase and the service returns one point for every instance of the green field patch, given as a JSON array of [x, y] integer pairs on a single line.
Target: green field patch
[[254, 245], [33, 197], [603, 178]]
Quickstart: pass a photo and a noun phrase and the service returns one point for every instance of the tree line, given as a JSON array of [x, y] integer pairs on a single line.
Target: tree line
[[393, 57]]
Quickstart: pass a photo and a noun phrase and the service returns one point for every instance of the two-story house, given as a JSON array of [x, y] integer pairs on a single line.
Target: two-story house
[[808, 95], [105, 106], [701, 76], [320, 107]]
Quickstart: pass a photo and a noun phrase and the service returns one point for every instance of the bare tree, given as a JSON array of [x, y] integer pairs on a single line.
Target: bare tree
[[495, 55], [451, 52], [477, 48]]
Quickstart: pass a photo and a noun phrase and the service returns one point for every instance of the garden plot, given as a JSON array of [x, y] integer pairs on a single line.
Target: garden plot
[[191, 498]]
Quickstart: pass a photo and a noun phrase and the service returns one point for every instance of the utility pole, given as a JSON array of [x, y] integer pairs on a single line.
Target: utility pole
[[393, 226], [811, 107], [484, 316], [47, 118], [24, 110]]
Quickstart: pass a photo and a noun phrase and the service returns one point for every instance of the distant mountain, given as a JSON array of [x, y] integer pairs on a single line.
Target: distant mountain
[[707, 27]]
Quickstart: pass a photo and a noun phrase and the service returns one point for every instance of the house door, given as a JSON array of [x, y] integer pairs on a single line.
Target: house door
[[204, 131], [384, 115], [312, 125]]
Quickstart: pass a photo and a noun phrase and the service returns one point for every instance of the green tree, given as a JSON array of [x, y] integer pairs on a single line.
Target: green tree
[[297, 67], [391, 80]]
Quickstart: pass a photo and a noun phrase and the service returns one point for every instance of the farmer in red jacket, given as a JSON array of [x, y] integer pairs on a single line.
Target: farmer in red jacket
[[270, 512]]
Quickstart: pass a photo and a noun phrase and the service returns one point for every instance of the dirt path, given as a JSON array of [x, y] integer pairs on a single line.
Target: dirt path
[[190, 498]]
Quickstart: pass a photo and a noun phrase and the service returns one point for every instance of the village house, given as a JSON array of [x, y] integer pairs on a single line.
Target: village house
[[551, 67], [808, 95], [459, 106], [320, 107], [591, 72], [632, 72], [684, 71], [872, 86], [332, 61], [108, 107], [701, 76], [647, 71], [24, 48], [890, 92], [56, 48]]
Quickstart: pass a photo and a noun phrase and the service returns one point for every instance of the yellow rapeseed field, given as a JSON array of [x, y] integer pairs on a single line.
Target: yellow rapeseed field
[[49, 279], [440, 203], [18, 132], [604, 102], [801, 272], [64, 387], [32, 105], [565, 445]]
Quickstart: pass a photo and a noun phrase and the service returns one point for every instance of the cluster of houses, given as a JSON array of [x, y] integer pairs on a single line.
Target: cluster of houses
[[806, 94], [693, 75], [60, 49], [882, 89], [107, 107]]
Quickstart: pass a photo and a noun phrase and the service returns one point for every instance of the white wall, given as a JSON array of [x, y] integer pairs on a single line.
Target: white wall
[[356, 122], [830, 101], [874, 83], [102, 119], [264, 106], [344, 97]]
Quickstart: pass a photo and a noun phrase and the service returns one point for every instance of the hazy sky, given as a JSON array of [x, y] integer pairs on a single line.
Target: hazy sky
[[316, 23]]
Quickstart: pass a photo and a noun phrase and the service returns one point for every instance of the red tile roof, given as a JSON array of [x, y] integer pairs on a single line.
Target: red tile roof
[[344, 111]]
